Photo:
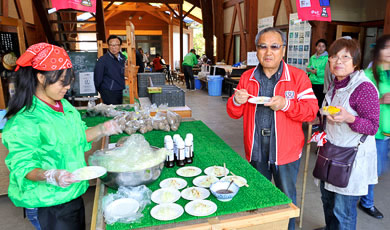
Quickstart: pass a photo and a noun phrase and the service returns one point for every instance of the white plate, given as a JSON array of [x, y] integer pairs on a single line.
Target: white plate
[[200, 208], [174, 182], [240, 181], [188, 171], [259, 100], [217, 171], [165, 195], [169, 211], [204, 181], [89, 172], [122, 208], [195, 193]]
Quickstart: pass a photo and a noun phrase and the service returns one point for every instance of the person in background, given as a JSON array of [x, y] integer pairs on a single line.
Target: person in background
[[157, 67], [145, 58], [357, 98], [139, 60], [273, 136], [46, 139], [162, 61], [379, 74], [189, 61], [109, 73], [316, 71]]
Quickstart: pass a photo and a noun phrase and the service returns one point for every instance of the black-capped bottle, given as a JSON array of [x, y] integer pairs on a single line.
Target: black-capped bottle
[[189, 148], [176, 137], [180, 161], [170, 161]]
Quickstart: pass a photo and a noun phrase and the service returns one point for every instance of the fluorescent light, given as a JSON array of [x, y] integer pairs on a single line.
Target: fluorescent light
[[118, 3]]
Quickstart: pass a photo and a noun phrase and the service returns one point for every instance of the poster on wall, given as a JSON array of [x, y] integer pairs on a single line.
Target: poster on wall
[[252, 59], [313, 10], [84, 5], [264, 23], [298, 47]]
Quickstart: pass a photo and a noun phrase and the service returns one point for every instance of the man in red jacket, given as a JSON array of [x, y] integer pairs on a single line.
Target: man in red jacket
[[273, 136]]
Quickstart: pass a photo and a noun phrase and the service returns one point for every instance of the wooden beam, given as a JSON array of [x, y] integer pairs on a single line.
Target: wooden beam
[[19, 10], [231, 3], [218, 30], [172, 10], [181, 35], [251, 7], [275, 12], [194, 2], [198, 20], [207, 16], [152, 1], [230, 38], [242, 34], [4, 8], [171, 41], [108, 6], [386, 26], [101, 24], [187, 13], [42, 14], [289, 9]]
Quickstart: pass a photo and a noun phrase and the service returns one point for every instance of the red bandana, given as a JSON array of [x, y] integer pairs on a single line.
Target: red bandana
[[45, 57]]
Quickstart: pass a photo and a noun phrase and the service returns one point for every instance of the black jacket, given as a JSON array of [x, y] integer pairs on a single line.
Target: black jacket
[[109, 72]]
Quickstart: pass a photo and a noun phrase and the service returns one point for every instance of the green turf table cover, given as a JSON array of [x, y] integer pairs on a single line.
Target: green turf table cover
[[209, 150]]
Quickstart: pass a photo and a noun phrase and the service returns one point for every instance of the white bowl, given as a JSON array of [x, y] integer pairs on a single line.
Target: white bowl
[[222, 185]]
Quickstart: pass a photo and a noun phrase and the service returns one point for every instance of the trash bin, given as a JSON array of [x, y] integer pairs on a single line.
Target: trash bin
[[198, 84], [215, 85]]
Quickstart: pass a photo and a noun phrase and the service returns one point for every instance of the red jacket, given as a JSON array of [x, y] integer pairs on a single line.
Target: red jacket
[[301, 106]]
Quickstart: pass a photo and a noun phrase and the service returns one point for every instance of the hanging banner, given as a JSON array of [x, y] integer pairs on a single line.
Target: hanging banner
[[84, 5], [313, 10], [298, 48]]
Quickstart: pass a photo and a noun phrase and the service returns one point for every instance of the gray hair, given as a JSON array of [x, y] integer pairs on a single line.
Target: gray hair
[[271, 29]]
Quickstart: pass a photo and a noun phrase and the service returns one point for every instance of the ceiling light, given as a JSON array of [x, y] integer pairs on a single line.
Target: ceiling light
[[118, 3]]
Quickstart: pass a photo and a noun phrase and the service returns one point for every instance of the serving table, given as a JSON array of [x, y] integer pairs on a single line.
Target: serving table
[[259, 206]]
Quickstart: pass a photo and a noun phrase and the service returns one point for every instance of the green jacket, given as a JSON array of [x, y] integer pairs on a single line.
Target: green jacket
[[383, 87], [46, 139], [190, 59], [318, 63]]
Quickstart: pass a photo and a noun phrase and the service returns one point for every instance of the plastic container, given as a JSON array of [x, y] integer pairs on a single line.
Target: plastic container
[[215, 85], [198, 84], [3, 120], [171, 94]]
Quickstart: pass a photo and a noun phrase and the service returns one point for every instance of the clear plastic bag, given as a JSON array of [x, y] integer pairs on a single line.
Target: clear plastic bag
[[140, 193]]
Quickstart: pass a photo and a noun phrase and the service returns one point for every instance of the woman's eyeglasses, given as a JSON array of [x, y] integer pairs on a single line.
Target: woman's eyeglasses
[[274, 47], [344, 58]]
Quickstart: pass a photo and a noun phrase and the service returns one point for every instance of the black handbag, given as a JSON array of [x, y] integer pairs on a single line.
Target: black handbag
[[334, 163]]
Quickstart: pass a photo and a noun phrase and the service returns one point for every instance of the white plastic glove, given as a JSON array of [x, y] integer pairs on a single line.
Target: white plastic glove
[[110, 127], [59, 177]]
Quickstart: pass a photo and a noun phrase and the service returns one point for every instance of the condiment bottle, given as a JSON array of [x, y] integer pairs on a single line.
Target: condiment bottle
[[180, 161], [175, 139], [170, 161], [189, 148]]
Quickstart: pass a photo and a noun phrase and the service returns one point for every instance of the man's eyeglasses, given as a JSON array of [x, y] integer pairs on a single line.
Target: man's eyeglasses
[[274, 47], [344, 58], [113, 45]]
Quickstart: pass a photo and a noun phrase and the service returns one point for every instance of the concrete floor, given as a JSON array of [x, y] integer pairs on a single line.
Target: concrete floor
[[212, 111]]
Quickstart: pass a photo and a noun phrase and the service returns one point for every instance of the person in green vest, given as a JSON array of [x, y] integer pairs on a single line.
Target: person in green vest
[[316, 70], [46, 139], [379, 74], [189, 61]]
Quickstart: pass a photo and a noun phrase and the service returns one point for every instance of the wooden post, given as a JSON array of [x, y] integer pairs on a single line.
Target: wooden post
[[251, 8], [181, 35], [171, 61], [207, 16], [218, 30], [386, 26]]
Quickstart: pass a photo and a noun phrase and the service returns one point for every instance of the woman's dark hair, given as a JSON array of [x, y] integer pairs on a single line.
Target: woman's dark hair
[[322, 41], [26, 86], [351, 45], [379, 45]]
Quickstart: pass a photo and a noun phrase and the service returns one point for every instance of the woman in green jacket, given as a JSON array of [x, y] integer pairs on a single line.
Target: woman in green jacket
[[46, 139], [379, 74], [316, 70]]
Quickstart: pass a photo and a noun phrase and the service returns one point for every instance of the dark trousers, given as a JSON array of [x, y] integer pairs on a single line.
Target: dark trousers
[[68, 216], [285, 176], [189, 76], [319, 92], [114, 97]]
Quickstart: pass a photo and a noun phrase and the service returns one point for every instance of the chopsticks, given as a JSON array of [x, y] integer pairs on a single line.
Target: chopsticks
[[246, 185], [250, 95], [224, 169]]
